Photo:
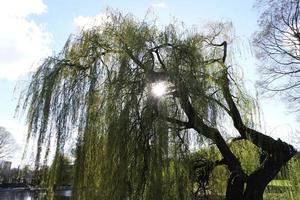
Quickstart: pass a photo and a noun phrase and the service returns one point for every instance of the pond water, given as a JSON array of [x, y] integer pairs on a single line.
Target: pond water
[[19, 194]]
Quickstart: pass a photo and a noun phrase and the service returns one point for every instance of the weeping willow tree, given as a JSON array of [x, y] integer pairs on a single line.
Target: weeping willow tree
[[131, 142]]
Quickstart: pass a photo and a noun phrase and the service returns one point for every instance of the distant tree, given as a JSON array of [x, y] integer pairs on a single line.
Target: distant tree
[[278, 48], [137, 94], [25, 174], [7, 143]]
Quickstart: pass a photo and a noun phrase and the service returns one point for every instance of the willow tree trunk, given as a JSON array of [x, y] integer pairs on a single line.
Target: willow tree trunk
[[253, 186]]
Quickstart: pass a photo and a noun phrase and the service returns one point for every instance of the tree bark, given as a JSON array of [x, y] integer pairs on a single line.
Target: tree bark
[[235, 185], [256, 183], [259, 179]]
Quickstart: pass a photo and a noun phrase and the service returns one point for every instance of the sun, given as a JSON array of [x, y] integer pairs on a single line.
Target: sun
[[158, 89]]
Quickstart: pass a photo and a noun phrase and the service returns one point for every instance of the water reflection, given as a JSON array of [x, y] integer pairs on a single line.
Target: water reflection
[[17, 194]]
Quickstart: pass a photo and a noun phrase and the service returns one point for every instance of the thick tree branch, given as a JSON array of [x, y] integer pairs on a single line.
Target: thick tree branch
[[211, 133], [261, 140]]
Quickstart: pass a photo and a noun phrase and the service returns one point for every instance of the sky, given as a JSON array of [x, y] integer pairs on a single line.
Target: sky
[[34, 29]]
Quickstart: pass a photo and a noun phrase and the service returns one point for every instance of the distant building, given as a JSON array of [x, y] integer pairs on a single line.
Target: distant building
[[5, 167]]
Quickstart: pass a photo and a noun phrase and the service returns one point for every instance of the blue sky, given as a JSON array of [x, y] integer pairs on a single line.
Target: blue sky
[[34, 29]]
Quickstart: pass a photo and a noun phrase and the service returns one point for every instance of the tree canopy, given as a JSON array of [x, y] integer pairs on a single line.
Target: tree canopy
[[131, 143]]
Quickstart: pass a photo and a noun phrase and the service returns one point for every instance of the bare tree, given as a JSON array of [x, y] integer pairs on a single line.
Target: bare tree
[[278, 48], [6, 143]]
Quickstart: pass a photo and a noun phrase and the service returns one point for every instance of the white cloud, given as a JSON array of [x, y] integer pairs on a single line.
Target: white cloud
[[88, 22], [159, 5], [23, 42]]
